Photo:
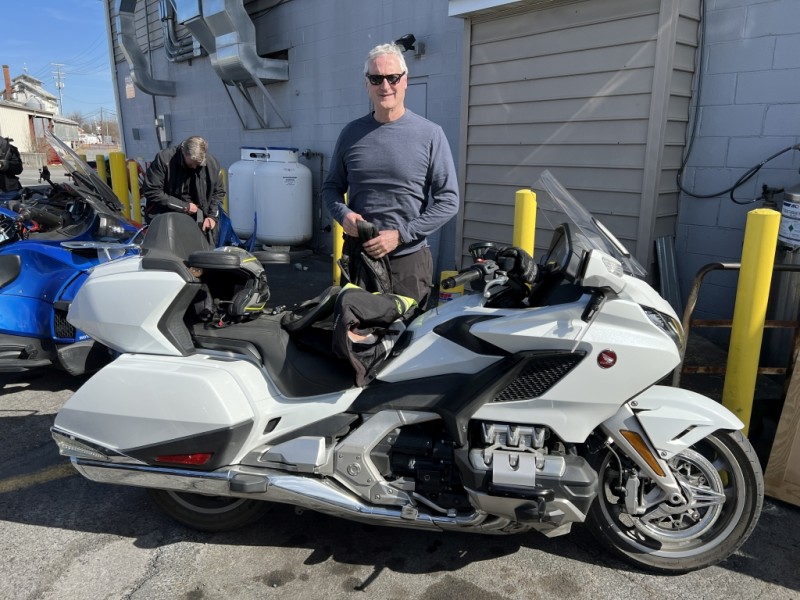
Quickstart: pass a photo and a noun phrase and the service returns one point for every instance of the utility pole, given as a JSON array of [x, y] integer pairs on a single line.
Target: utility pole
[[59, 85]]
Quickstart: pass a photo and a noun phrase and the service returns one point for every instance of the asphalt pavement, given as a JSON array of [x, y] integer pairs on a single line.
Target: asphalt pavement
[[31, 177], [64, 537]]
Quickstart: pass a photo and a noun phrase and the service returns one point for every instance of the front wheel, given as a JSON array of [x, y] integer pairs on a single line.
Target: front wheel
[[209, 513], [722, 478]]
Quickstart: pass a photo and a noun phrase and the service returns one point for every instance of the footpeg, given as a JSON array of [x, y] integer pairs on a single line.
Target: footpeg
[[248, 484], [532, 513]]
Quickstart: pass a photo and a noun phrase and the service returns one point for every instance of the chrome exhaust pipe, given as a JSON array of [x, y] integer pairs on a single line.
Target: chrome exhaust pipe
[[309, 493]]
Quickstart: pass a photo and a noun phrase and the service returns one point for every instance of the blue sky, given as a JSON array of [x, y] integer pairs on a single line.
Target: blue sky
[[38, 33]]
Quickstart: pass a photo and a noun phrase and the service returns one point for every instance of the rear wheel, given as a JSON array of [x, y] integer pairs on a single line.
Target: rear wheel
[[722, 478], [209, 513]]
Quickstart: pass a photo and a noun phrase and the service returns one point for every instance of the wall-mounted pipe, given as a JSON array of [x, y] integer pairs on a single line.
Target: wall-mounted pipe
[[178, 49]]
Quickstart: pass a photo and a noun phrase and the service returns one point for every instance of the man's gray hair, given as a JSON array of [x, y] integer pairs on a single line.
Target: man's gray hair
[[383, 49], [195, 149]]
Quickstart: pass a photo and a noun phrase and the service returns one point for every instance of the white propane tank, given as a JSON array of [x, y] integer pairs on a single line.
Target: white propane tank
[[241, 190], [789, 232], [283, 199]]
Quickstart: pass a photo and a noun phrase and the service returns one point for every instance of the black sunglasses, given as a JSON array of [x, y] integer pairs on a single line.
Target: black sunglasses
[[378, 79]]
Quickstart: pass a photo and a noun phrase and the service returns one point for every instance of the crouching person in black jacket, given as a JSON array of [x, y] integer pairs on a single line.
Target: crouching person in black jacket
[[185, 178]]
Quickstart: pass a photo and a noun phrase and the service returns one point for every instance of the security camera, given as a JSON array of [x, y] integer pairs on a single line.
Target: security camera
[[406, 42]]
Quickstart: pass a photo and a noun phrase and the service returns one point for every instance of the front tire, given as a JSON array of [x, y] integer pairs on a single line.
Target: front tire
[[209, 513], [723, 472]]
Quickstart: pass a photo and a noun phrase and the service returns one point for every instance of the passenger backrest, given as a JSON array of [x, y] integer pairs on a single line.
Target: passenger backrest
[[170, 239]]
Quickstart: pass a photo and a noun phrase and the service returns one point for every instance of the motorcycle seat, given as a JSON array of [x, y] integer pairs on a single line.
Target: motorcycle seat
[[297, 374]]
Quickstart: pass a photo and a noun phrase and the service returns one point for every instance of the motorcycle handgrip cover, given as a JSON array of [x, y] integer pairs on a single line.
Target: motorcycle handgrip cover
[[42, 217], [461, 278]]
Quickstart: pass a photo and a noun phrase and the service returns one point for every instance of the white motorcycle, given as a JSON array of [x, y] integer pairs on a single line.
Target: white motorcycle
[[532, 404]]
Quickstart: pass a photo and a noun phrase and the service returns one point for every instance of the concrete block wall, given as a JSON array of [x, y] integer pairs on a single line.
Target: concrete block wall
[[749, 109], [327, 43]]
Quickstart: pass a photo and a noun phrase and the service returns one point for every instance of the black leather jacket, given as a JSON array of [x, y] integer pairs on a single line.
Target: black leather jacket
[[169, 186], [10, 166]]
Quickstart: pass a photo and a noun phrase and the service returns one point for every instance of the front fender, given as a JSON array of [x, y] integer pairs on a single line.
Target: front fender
[[674, 418]]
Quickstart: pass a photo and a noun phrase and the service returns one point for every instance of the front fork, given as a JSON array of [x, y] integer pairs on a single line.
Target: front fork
[[629, 437]]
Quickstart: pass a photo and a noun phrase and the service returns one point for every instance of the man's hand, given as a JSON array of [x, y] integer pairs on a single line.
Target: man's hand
[[350, 223], [192, 208], [386, 241], [208, 223]]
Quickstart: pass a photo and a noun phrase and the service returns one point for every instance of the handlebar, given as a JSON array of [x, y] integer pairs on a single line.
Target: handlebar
[[462, 278], [32, 213]]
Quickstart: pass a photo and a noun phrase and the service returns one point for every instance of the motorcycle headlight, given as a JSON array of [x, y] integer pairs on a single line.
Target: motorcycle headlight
[[109, 229], [668, 324]]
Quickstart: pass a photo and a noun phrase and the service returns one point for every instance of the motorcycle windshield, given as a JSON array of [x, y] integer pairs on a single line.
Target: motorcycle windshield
[[556, 206], [83, 176]]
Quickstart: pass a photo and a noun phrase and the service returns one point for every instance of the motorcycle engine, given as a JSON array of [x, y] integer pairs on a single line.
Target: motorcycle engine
[[424, 458], [519, 466]]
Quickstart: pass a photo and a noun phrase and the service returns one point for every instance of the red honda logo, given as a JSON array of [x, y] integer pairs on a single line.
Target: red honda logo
[[607, 359]]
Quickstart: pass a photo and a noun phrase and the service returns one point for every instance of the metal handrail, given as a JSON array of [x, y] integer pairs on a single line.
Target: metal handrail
[[691, 302]]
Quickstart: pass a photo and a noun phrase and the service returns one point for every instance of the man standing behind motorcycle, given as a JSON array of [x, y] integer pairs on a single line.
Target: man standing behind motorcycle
[[398, 172], [185, 178], [10, 166]]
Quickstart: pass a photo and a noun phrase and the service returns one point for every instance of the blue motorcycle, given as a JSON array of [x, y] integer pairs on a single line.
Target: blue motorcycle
[[50, 239]]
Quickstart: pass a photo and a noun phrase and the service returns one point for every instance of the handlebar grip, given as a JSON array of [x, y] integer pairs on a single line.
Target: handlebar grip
[[461, 278], [45, 218]]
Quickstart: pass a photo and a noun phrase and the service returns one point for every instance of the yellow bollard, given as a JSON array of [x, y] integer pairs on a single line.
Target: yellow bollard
[[83, 157], [338, 246], [525, 220], [224, 176], [136, 195], [100, 161], [119, 180], [750, 311]]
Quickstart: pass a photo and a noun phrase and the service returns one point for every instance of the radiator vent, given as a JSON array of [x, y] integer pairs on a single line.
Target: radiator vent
[[539, 375], [61, 326]]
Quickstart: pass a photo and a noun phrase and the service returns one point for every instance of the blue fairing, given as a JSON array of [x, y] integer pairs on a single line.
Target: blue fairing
[[48, 271], [40, 274]]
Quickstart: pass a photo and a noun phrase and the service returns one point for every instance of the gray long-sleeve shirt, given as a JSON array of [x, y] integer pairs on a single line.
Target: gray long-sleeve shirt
[[397, 175]]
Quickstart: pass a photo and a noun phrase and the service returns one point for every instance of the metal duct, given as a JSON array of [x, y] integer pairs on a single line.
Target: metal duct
[[189, 14], [235, 58], [137, 62]]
